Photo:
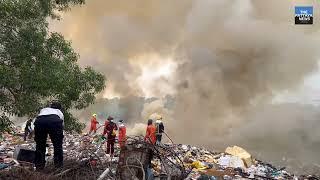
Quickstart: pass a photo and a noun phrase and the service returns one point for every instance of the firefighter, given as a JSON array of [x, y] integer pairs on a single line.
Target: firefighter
[[150, 137], [159, 130], [93, 126], [49, 121], [150, 133], [122, 134], [110, 130]]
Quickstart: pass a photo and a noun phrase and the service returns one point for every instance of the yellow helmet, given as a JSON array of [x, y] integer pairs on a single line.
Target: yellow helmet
[[94, 115]]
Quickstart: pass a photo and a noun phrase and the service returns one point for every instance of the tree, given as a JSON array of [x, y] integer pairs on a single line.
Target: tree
[[5, 124], [37, 66]]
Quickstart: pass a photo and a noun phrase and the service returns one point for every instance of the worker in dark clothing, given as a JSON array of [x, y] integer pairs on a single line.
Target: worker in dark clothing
[[159, 130], [27, 130], [49, 121], [110, 130]]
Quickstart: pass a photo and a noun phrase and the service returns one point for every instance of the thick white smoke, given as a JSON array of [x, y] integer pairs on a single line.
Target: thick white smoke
[[220, 60]]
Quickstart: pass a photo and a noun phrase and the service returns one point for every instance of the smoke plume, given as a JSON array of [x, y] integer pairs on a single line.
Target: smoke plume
[[224, 62]]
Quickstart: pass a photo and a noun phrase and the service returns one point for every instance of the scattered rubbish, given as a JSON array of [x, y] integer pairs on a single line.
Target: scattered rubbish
[[3, 166], [241, 153], [105, 172], [86, 158], [198, 165], [231, 161], [26, 155]]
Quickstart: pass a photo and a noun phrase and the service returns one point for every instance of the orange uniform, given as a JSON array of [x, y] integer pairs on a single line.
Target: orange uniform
[[94, 123], [110, 129], [151, 134], [122, 135]]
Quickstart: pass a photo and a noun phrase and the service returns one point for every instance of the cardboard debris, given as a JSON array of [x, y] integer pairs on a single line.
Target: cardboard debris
[[241, 153]]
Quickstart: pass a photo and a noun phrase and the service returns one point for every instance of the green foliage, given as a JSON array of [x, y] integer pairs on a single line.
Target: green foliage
[[37, 66], [50, 6], [5, 124], [28, 9], [72, 124]]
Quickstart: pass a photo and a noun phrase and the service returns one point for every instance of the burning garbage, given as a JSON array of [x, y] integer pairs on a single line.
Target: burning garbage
[[86, 158]]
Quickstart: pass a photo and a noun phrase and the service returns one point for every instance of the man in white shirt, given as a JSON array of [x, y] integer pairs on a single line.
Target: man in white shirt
[[49, 121]]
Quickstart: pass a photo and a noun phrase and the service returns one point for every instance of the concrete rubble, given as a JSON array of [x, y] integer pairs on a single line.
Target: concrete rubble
[[177, 160]]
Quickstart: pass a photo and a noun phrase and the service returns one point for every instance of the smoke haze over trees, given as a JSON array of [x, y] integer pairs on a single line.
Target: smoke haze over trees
[[221, 62]]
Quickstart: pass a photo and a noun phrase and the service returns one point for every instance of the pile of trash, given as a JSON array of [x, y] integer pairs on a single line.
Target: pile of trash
[[234, 163], [8, 144], [179, 161], [84, 155], [85, 158]]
